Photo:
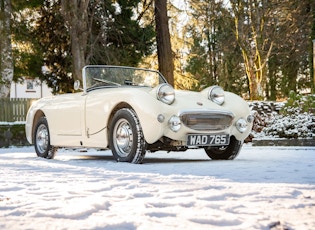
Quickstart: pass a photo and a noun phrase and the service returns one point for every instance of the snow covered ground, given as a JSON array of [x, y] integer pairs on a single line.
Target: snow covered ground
[[263, 188]]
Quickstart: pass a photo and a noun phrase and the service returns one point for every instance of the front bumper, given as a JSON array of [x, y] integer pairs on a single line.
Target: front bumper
[[207, 122]]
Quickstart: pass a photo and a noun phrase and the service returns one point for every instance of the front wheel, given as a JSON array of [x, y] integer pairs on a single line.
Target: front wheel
[[126, 138], [42, 140], [225, 152]]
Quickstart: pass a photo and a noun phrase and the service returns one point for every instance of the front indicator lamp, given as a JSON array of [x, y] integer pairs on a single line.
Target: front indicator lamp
[[174, 123], [241, 125]]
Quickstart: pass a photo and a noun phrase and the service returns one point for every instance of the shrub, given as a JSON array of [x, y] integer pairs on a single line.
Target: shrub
[[12, 134], [299, 103], [294, 119], [293, 125]]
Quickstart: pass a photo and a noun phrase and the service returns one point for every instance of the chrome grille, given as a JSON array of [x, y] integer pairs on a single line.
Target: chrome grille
[[207, 120]]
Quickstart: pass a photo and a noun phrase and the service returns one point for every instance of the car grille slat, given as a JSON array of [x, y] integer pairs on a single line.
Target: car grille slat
[[207, 120]]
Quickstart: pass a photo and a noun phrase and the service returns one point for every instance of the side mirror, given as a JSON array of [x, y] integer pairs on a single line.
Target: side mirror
[[76, 85]]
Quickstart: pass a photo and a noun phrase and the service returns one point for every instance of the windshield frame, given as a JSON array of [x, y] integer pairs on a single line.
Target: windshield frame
[[112, 84]]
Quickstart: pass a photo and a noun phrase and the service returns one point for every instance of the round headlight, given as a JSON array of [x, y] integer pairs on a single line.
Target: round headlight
[[166, 93], [216, 94]]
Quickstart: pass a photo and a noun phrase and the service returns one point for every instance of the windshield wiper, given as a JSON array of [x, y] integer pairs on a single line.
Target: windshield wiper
[[107, 82]]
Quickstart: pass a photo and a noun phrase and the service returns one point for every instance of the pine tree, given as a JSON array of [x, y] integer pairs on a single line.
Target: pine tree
[[213, 59], [113, 37]]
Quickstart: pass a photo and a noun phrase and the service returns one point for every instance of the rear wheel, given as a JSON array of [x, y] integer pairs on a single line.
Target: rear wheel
[[126, 138], [42, 140], [225, 152]]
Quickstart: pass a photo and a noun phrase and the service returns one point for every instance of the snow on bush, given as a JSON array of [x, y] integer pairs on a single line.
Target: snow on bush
[[293, 119], [295, 125]]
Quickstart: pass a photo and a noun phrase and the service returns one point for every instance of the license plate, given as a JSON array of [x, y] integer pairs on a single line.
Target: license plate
[[208, 140]]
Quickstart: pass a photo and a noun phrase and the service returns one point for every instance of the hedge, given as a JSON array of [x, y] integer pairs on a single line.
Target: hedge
[[12, 134]]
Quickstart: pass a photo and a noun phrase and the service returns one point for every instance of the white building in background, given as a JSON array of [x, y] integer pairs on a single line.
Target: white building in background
[[30, 88]]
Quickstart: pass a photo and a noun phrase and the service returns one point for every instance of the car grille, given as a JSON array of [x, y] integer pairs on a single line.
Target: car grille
[[207, 120]]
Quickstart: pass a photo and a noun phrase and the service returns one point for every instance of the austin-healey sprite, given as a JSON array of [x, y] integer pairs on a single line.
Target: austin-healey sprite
[[132, 111]]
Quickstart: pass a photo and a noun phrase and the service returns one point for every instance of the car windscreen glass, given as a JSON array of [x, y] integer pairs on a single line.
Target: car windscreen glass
[[112, 76]]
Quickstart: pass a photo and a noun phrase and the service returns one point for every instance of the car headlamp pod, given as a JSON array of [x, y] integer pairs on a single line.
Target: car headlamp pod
[[166, 93], [216, 94]]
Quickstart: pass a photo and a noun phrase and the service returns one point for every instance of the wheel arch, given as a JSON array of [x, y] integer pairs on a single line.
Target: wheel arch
[[152, 129], [131, 144], [119, 106], [37, 116]]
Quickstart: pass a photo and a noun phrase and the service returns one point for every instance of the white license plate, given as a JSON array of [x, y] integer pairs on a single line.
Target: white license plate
[[208, 139]]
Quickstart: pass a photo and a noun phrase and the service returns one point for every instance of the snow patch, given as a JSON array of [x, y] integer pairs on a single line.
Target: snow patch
[[264, 188]]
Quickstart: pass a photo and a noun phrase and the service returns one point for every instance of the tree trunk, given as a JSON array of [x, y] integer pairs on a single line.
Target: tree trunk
[[272, 85], [250, 35], [254, 76], [312, 52], [75, 13], [255, 88], [6, 62], [164, 49]]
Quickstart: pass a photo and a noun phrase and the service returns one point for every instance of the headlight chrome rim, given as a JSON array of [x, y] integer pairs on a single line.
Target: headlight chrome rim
[[216, 94], [166, 93]]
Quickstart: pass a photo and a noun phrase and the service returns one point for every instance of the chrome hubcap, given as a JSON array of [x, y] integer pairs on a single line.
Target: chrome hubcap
[[42, 138], [123, 137]]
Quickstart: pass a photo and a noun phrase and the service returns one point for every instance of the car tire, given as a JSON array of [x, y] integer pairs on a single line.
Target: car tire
[[42, 140], [126, 139], [225, 152]]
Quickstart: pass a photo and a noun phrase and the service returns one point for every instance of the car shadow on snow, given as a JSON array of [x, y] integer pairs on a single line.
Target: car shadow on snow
[[148, 160], [253, 165], [247, 168]]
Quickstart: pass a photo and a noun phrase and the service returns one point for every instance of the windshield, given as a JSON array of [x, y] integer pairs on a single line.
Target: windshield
[[102, 76]]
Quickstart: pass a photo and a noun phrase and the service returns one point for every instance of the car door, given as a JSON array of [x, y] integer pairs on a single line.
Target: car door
[[97, 111], [65, 115]]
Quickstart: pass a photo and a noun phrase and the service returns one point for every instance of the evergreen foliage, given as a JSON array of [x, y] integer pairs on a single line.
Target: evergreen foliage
[[205, 48], [115, 38], [27, 53], [213, 59], [54, 44], [266, 42], [299, 103]]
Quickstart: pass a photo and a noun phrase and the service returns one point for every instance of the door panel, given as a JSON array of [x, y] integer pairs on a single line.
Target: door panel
[[65, 116], [97, 112]]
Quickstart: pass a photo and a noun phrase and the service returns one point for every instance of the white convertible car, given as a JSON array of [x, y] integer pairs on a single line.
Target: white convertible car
[[132, 110]]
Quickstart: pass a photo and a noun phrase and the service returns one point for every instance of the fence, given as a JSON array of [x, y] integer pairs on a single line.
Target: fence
[[14, 109]]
